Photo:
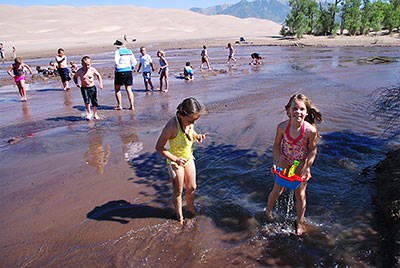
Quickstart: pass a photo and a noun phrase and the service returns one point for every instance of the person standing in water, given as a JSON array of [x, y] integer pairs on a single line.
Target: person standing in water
[[125, 63], [205, 59], [164, 69], [146, 64], [62, 68], [17, 72], [180, 133], [231, 55], [296, 139], [88, 89]]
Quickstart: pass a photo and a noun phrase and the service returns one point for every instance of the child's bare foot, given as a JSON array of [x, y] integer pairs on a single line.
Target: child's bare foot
[[118, 108], [165, 90], [96, 117], [131, 108], [301, 228], [270, 216], [181, 221], [193, 211]]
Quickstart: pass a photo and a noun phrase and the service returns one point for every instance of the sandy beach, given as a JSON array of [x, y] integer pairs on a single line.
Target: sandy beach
[[79, 193]]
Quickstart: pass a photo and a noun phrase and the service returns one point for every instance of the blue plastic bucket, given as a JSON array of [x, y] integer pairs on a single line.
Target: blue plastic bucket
[[286, 183]]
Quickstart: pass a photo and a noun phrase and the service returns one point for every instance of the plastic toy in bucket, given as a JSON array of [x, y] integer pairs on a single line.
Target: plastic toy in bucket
[[282, 179]]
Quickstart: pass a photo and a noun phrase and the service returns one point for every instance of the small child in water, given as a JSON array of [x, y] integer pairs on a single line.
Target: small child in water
[[86, 74], [296, 139], [180, 134], [188, 71], [17, 72]]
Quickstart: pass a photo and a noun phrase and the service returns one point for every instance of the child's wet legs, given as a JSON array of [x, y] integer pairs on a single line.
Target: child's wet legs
[[190, 183], [272, 197], [301, 201]]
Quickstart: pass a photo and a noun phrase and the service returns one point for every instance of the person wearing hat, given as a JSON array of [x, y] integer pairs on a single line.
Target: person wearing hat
[[125, 63]]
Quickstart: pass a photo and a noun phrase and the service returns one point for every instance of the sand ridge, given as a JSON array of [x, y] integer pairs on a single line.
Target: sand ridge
[[36, 28]]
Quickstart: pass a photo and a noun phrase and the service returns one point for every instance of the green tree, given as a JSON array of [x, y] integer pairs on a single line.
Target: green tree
[[351, 16], [392, 16], [366, 14], [311, 15], [296, 19], [377, 15], [326, 23]]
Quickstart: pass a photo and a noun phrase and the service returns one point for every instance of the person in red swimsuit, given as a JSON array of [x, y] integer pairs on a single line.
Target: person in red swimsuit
[[296, 139]]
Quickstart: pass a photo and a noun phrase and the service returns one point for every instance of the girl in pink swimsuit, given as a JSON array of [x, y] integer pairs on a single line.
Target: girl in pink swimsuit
[[296, 139], [17, 71]]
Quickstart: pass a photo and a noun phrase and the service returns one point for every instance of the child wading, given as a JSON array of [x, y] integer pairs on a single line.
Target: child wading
[[180, 133], [296, 139]]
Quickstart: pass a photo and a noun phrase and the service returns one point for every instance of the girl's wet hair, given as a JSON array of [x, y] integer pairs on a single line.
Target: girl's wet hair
[[188, 107], [314, 116], [18, 60], [162, 53]]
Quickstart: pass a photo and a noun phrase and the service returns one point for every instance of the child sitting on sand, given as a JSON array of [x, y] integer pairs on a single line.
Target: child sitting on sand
[[188, 71], [255, 59]]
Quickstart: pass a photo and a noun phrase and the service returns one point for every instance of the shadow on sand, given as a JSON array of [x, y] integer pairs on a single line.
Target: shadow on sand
[[121, 210]]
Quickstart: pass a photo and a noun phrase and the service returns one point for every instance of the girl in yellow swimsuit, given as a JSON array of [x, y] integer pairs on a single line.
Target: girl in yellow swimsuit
[[180, 133]]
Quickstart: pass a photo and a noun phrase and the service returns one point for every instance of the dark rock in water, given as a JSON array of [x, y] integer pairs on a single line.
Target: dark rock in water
[[14, 140], [388, 204], [379, 59]]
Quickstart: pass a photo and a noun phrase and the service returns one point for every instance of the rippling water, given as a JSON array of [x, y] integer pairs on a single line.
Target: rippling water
[[244, 105]]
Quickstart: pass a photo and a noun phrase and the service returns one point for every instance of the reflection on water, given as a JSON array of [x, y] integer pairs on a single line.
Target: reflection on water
[[244, 105], [25, 111], [97, 154], [232, 189]]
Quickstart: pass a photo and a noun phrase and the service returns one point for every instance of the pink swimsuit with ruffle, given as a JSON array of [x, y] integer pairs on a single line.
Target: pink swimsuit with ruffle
[[294, 149]]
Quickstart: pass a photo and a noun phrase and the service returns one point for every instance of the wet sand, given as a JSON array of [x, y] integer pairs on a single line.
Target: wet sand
[[95, 194]]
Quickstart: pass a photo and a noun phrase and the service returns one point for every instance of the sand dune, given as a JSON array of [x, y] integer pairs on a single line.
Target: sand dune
[[41, 28]]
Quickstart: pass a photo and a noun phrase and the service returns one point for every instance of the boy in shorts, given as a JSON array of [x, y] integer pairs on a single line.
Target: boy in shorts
[[146, 64], [62, 68], [88, 89]]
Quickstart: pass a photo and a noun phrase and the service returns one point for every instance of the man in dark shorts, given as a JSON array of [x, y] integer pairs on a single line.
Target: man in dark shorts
[[125, 63]]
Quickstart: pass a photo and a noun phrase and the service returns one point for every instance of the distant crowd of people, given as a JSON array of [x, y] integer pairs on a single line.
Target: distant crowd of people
[[125, 64]]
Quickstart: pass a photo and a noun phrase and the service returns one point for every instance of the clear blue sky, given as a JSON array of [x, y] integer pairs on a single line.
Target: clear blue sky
[[182, 4]]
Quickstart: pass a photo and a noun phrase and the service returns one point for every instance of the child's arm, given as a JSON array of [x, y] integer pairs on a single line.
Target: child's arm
[[199, 137], [140, 66], [75, 78], [9, 71], [277, 145], [152, 66], [165, 62], [167, 133], [61, 59], [29, 68], [133, 62], [97, 74], [312, 153]]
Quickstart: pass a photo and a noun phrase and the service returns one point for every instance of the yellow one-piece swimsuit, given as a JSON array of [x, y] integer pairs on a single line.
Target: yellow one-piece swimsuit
[[181, 146]]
